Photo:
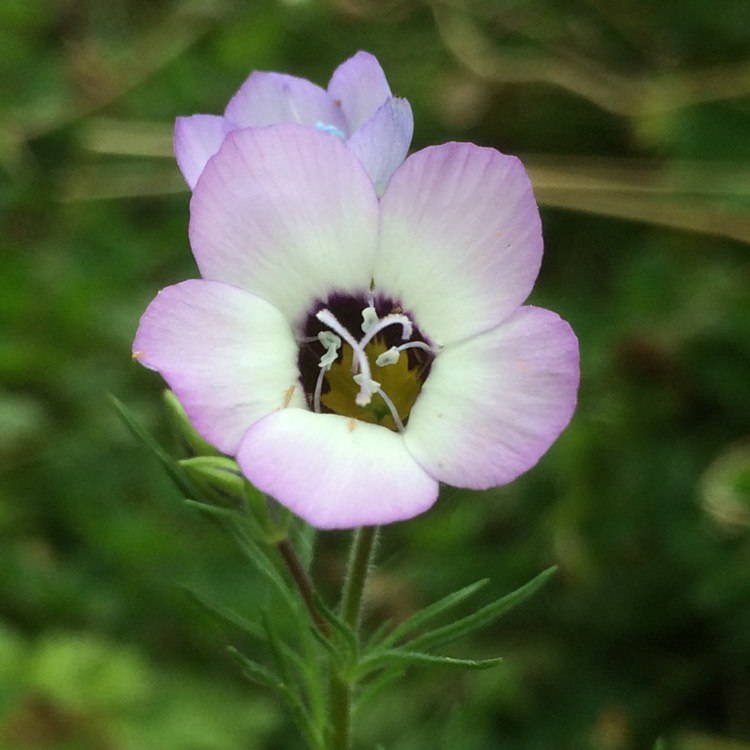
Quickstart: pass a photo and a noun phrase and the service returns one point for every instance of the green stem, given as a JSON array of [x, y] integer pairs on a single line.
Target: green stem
[[360, 559], [352, 600]]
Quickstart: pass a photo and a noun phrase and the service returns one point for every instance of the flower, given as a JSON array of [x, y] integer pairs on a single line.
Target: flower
[[358, 108], [354, 351]]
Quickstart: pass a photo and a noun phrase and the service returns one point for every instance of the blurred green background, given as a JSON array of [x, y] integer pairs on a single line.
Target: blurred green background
[[634, 120]]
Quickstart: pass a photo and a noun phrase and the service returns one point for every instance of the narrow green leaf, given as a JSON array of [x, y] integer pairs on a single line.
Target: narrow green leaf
[[227, 615], [173, 469], [257, 672], [420, 618], [261, 556], [481, 617], [325, 642], [216, 511], [378, 637], [384, 658], [285, 655], [350, 639]]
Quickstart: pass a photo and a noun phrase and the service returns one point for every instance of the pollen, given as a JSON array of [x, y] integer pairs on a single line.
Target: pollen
[[138, 356], [288, 396]]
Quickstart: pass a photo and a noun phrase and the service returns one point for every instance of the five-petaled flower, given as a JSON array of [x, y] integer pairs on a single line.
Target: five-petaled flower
[[358, 107], [354, 351]]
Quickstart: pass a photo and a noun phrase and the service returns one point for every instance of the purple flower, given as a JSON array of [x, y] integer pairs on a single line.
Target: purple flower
[[351, 351], [358, 108]]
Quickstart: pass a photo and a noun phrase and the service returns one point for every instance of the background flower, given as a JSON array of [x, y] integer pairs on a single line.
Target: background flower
[[357, 107]]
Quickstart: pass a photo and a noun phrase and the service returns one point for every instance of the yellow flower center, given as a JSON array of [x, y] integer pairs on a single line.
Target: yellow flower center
[[362, 357], [401, 383]]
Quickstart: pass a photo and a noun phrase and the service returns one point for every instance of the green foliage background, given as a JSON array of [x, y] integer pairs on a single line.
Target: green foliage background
[[634, 120]]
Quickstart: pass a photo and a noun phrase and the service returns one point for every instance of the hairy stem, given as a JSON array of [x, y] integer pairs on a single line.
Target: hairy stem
[[352, 600]]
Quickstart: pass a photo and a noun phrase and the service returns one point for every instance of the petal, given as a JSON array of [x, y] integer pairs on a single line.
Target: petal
[[287, 213], [492, 406], [196, 140], [382, 142], [333, 471], [271, 98], [359, 87], [228, 356], [461, 239]]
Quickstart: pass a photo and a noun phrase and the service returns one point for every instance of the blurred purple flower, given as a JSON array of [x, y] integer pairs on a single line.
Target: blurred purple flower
[[358, 108], [352, 351]]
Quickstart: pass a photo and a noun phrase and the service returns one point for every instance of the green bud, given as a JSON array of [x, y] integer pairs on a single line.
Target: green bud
[[194, 442], [218, 477]]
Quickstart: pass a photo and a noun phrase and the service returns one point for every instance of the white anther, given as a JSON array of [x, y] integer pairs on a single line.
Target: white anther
[[332, 343], [369, 319], [329, 339], [389, 357]]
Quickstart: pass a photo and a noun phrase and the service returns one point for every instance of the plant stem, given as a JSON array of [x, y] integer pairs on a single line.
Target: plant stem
[[303, 583], [340, 692]]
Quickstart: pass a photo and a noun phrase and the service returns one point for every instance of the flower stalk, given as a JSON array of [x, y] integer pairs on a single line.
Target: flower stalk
[[341, 688]]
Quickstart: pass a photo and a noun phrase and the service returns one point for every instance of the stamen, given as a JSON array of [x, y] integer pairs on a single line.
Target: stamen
[[393, 319], [319, 389], [329, 319], [417, 345], [369, 319], [332, 343], [371, 326], [392, 408], [389, 357]]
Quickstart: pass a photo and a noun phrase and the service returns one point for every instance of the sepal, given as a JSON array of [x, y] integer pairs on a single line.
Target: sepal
[[179, 419], [218, 477]]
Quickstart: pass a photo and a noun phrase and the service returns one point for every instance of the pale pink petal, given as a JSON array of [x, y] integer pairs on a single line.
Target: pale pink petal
[[333, 471], [287, 213], [271, 98], [359, 87], [196, 140], [381, 144], [461, 240], [493, 405], [229, 356]]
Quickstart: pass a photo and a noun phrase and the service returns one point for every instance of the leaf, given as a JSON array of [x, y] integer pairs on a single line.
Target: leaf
[[350, 639], [420, 618], [173, 469], [227, 615], [385, 658], [256, 672], [215, 511], [481, 617]]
